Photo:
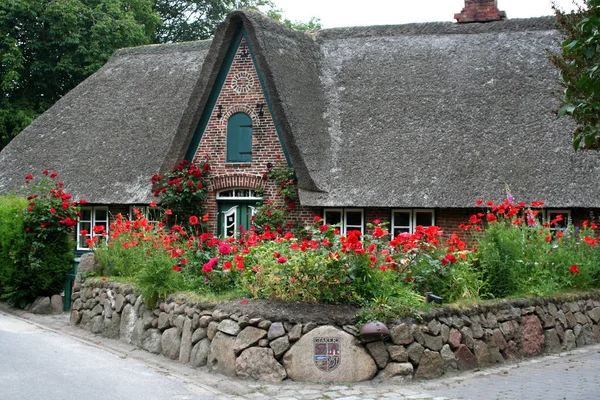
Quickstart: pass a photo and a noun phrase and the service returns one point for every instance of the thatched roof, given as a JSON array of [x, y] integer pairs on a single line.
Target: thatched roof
[[442, 114], [110, 134], [417, 115]]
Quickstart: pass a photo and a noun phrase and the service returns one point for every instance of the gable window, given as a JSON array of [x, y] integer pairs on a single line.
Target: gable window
[[406, 220], [239, 138], [90, 218], [351, 219]]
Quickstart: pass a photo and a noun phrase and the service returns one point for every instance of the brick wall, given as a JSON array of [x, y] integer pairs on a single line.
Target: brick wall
[[480, 11], [241, 92]]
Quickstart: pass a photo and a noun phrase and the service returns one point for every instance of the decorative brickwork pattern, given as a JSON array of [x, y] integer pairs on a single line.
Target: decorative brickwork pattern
[[480, 11]]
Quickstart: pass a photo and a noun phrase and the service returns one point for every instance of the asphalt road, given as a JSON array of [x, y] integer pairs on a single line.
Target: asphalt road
[[41, 357]]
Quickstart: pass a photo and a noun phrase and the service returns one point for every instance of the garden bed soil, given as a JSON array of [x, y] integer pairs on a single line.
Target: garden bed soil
[[295, 312]]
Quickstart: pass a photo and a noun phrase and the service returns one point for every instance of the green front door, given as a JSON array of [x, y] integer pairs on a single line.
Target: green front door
[[235, 216]]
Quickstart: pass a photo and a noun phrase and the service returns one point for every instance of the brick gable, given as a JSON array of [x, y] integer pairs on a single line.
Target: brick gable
[[241, 91]]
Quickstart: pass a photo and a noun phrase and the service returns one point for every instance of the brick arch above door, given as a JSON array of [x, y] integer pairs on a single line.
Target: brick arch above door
[[237, 180]]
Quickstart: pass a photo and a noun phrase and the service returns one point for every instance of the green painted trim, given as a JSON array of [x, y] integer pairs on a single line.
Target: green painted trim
[[214, 94], [269, 103]]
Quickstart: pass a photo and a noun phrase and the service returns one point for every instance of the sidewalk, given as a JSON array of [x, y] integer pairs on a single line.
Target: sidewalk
[[572, 375]]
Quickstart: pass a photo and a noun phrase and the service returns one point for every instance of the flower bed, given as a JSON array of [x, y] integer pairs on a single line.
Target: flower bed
[[514, 253]]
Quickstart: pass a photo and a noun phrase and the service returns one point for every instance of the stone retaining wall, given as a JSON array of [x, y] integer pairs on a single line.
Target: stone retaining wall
[[446, 341]]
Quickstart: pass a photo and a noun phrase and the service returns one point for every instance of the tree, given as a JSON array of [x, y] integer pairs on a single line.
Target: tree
[[185, 20], [579, 64], [48, 47], [314, 23]]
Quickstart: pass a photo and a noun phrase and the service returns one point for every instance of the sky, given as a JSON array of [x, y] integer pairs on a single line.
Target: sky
[[336, 13]]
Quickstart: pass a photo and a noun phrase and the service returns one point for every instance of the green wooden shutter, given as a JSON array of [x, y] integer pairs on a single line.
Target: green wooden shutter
[[239, 138]]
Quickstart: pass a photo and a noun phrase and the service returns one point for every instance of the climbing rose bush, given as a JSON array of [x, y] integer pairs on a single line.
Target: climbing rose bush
[[182, 193]]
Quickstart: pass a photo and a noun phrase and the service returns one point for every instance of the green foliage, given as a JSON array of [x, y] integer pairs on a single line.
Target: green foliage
[[404, 303], [501, 258], [182, 194], [313, 23], [157, 279], [35, 247], [520, 259], [185, 20], [49, 47], [579, 64], [271, 214], [13, 243], [307, 276]]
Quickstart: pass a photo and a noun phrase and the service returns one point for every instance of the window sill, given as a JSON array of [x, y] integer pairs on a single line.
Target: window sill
[[238, 165]]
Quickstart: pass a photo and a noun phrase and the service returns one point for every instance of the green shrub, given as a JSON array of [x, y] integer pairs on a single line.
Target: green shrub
[[157, 279], [13, 243], [520, 255], [38, 252]]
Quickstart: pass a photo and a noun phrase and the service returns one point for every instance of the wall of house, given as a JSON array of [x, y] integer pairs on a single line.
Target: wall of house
[[241, 92], [241, 342]]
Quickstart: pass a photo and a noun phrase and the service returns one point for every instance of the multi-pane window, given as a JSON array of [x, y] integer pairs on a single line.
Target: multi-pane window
[[152, 214], [560, 218], [91, 217], [351, 219], [407, 219], [239, 138]]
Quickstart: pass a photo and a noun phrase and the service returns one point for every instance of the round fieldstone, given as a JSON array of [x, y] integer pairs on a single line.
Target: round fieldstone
[[401, 334], [299, 360], [430, 366], [199, 353], [229, 327], [275, 330], [259, 364], [171, 343], [250, 336]]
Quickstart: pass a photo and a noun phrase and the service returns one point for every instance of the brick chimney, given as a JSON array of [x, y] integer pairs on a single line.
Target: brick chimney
[[480, 11]]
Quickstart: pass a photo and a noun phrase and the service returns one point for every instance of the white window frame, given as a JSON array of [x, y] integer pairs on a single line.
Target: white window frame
[[412, 215], [354, 227], [232, 210], [344, 218], [93, 222], [144, 210], [235, 196], [549, 215]]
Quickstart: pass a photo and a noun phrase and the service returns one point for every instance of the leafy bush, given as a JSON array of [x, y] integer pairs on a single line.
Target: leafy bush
[[39, 253], [272, 214], [182, 193], [13, 243], [520, 255]]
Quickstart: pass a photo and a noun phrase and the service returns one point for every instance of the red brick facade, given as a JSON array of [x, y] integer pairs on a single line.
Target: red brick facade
[[242, 92]]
